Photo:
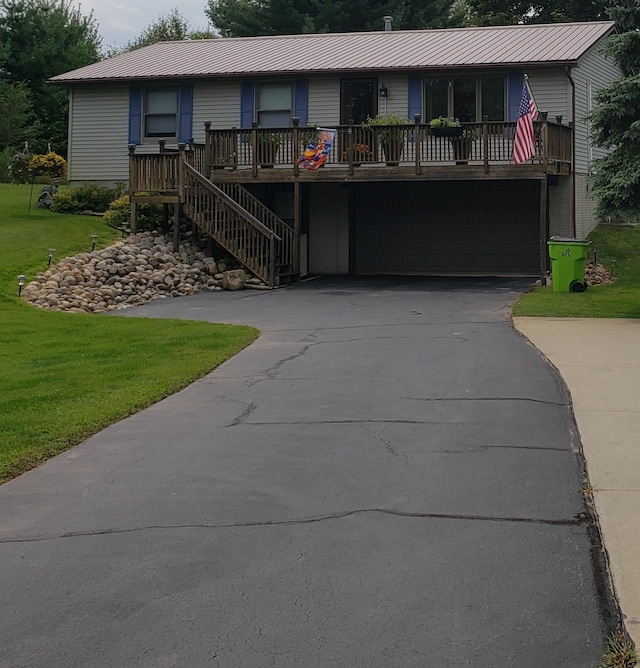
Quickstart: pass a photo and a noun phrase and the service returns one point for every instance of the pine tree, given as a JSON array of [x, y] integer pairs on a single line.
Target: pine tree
[[616, 121]]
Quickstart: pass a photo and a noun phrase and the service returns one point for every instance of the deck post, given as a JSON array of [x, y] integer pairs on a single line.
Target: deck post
[[296, 144], [272, 259], [350, 148], [485, 142], [545, 141], [297, 216], [254, 149], [543, 228], [132, 184], [208, 149], [417, 142]]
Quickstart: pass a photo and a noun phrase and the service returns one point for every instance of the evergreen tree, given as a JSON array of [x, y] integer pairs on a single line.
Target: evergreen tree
[[42, 38], [511, 12], [616, 121], [16, 116], [242, 18]]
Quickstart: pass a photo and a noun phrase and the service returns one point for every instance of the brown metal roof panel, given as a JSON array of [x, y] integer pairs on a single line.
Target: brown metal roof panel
[[417, 49]]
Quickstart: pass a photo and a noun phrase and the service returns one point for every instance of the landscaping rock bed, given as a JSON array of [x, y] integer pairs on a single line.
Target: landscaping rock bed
[[131, 272]]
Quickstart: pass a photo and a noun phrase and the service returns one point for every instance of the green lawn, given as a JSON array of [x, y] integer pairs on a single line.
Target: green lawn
[[65, 376], [620, 300]]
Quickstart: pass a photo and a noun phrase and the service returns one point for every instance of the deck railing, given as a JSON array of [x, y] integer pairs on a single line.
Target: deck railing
[[486, 143]]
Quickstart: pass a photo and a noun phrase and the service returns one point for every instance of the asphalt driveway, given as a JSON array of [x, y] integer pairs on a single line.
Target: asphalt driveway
[[389, 476]]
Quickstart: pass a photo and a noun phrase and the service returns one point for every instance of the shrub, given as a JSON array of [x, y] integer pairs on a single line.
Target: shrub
[[119, 214], [6, 157], [88, 197], [19, 168]]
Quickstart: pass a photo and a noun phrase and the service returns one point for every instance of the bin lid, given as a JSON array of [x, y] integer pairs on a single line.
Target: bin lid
[[569, 240]]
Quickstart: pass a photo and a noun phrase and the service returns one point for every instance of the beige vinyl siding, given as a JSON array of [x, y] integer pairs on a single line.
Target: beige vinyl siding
[[217, 102], [397, 98], [99, 121], [560, 207], [594, 72], [585, 207], [552, 93], [324, 101]]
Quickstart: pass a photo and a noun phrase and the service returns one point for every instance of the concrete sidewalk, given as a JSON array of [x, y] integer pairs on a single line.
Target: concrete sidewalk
[[599, 360]]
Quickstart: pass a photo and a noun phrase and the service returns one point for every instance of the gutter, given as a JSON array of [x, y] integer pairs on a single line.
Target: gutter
[[567, 71]]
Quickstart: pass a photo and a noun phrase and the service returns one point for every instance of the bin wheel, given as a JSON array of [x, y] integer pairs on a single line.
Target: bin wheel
[[578, 287]]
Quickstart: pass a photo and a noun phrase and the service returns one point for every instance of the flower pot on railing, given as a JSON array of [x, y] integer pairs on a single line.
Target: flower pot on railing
[[447, 132], [390, 131], [392, 152], [445, 126], [267, 153], [462, 146]]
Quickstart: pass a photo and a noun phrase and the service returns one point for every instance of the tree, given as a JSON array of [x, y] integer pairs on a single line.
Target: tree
[[510, 12], [243, 18], [171, 27], [16, 115], [42, 38], [616, 121]]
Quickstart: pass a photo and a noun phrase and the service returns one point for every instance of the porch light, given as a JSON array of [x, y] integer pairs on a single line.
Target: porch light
[[94, 240], [21, 278], [50, 251], [384, 91]]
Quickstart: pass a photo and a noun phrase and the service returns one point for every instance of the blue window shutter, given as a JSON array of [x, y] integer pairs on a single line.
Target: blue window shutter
[[514, 94], [185, 106], [135, 115], [415, 97], [247, 89], [301, 100]]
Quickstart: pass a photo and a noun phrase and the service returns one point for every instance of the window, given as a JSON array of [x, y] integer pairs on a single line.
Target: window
[[274, 105], [469, 99], [161, 113]]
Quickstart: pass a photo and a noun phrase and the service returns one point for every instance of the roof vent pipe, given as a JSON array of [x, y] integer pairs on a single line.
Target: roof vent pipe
[[387, 22]]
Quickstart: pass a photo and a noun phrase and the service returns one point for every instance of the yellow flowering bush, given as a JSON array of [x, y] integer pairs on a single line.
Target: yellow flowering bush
[[48, 163]]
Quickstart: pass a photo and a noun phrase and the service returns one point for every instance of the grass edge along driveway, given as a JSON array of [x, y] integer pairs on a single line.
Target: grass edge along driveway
[[64, 376]]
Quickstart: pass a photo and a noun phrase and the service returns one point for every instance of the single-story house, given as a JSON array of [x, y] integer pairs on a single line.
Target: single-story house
[[191, 122]]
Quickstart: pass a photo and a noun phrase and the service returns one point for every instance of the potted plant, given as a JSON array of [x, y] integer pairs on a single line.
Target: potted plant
[[445, 126], [358, 153], [391, 135], [267, 145], [462, 145]]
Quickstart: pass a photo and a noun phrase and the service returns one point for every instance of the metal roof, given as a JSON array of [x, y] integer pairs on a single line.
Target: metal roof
[[349, 52]]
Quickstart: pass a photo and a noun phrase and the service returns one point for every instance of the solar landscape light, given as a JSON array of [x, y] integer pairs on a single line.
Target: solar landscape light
[[94, 240], [50, 251], [21, 278], [613, 266]]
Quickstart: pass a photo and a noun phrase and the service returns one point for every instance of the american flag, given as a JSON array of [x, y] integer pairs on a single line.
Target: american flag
[[524, 143]]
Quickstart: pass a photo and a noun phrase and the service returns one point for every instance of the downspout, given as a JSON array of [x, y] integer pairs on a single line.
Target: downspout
[[567, 71]]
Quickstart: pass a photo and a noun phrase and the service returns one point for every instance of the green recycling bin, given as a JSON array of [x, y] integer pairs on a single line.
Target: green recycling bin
[[568, 256]]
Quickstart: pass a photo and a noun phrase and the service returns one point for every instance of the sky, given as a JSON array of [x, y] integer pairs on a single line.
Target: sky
[[120, 21]]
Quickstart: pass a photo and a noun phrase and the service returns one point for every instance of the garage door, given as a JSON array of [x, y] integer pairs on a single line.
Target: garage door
[[447, 228]]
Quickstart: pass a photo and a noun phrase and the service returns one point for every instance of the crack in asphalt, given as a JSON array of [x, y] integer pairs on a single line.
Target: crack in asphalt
[[412, 323], [561, 404], [579, 519]]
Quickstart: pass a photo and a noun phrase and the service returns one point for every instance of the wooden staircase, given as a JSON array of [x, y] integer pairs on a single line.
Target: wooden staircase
[[241, 224], [236, 220]]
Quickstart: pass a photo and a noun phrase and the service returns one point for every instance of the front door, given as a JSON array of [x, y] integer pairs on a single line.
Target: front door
[[359, 100]]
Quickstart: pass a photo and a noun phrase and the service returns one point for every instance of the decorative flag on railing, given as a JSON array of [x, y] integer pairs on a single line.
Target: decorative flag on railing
[[315, 155], [524, 141]]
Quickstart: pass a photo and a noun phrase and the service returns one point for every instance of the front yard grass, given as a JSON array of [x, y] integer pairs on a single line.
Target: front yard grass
[[66, 376], [619, 300]]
